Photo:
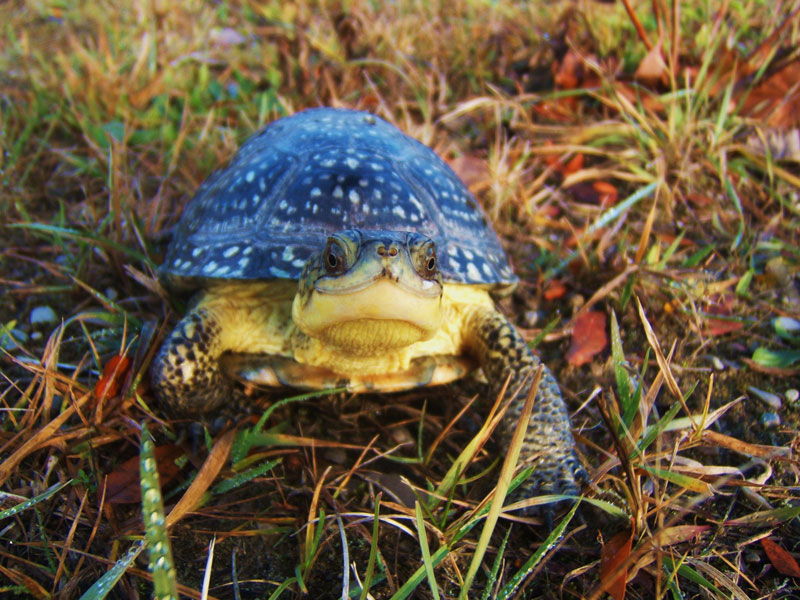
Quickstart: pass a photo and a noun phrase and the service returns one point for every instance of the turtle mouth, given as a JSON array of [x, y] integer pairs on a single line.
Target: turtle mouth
[[425, 288], [367, 318]]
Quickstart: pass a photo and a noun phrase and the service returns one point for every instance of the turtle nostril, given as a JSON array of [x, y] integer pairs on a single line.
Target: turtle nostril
[[383, 251]]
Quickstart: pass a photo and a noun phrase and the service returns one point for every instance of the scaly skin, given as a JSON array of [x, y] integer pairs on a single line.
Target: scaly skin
[[502, 352], [185, 372]]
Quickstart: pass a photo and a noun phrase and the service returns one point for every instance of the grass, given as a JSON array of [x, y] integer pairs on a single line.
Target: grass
[[111, 115]]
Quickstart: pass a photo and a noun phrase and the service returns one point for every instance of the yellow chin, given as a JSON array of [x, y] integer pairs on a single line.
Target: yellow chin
[[382, 316]]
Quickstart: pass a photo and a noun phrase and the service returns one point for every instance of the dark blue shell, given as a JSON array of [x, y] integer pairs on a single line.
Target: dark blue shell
[[323, 170]]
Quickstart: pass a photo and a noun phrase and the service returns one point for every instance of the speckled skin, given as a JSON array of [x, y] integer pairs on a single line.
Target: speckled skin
[[263, 222], [503, 353]]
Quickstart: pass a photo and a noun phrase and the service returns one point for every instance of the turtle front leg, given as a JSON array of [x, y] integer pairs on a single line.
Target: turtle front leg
[[502, 353], [185, 374]]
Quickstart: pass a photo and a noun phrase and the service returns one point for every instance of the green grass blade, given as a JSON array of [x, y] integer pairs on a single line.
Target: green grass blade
[[426, 552], [498, 561], [417, 577], [373, 550], [53, 489], [87, 237], [106, 583], [160, 563], [626, 397], [245, 476], [537, 556]]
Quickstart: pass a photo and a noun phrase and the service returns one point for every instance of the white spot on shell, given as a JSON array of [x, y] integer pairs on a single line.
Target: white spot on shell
[[337, 192], [222, 270], [316, 192], [472, 272], [243, 262], [351, 162], [250, 176], [230, 251], [197, 252], [210, 267], [354, 197], [398, 211], [417, 204]]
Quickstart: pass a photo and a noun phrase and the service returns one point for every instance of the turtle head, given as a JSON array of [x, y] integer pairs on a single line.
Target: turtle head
[[370, 291]]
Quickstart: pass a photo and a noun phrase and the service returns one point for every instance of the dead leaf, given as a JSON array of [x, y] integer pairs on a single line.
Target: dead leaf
[[776, 100], [756, 450], [614, 553], [588, 337], [781, 559], [114, 373], [574, 165], [678, 534], [568, 72], [556, 162], [555, 290], [652, 70], [472, 170], [723, 306], [122, 484], [205, 477], [607, 193], [699, 200]]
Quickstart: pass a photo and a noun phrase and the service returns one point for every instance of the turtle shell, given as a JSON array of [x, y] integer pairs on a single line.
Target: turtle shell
[[325, 170]]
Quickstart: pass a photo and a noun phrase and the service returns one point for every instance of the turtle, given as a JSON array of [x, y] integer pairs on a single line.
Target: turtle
[[336, 251]]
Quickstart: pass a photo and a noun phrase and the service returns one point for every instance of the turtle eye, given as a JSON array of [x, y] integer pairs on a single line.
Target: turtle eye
[[333, 258], [426, 264]]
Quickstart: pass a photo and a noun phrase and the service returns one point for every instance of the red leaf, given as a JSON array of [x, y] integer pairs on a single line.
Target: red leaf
[[588, 337], [614, 553], [555, 290], [608, 193], [122, 484], [568, 72], [573, 166], [723, 306], [114, 373], [599, 192], [781, 559]]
